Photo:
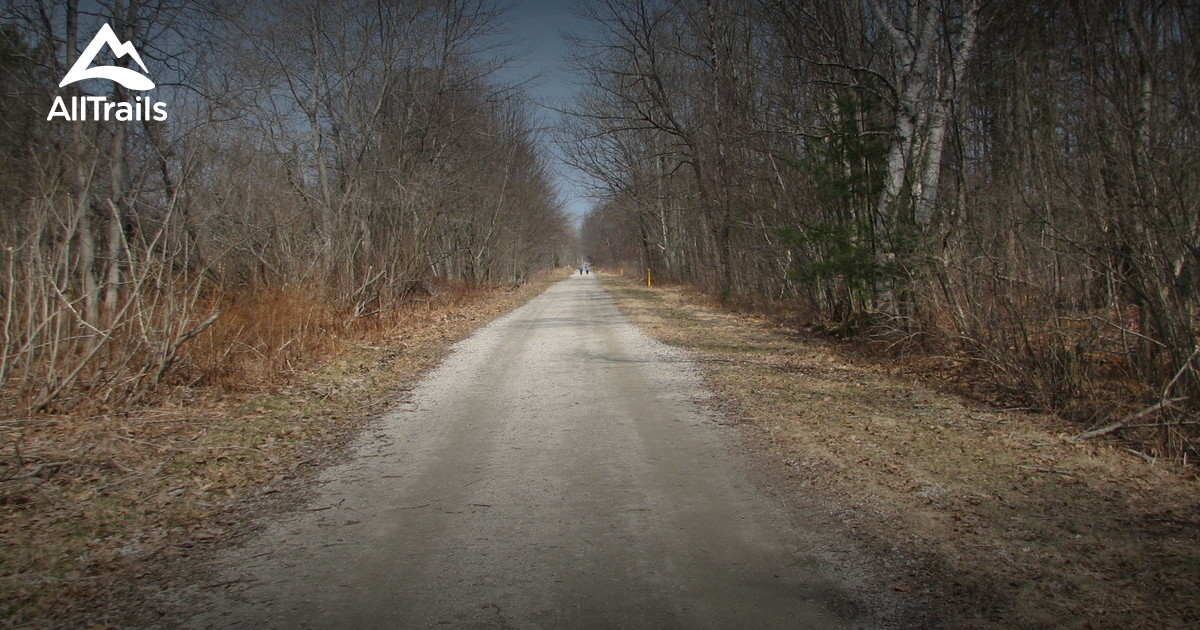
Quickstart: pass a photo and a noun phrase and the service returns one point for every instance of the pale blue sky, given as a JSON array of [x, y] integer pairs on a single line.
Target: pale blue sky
[[535, 27]]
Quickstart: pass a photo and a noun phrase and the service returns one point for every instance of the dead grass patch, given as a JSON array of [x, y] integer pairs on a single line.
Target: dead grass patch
[[87, 499], [1014, 523]]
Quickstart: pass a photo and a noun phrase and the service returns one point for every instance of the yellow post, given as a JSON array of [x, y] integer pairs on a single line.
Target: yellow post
[[649, 282]]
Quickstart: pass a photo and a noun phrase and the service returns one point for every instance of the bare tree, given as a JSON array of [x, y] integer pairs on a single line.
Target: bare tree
[[1007, 180], [371, 157]]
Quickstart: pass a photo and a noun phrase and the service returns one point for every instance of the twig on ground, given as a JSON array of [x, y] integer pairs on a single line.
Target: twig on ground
[[37, 469], [1155, 461], [326, 507], [1105, 430], [1053, 471]]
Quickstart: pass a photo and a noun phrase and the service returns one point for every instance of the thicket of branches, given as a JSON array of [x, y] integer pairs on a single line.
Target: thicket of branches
[[321, 162], [1012, 181]]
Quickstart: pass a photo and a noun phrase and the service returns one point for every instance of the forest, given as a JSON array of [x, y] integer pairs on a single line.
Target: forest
[[1006, 186], [925, 302], [307, 168]]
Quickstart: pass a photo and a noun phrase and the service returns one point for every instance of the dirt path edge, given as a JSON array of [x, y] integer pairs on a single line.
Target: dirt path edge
[[981, 518], [316, 416]]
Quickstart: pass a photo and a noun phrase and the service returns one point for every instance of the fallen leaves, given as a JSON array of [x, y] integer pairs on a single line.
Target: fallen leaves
[[1016, 525], [89, 497]]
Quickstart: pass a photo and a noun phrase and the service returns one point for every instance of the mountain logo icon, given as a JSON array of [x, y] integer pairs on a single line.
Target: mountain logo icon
[[125, 76]]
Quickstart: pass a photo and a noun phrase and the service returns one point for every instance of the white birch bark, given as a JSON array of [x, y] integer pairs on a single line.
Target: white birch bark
[[926, 197], [913, 48]]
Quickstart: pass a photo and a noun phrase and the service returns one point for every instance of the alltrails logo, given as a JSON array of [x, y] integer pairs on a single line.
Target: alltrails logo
[[99, 107]]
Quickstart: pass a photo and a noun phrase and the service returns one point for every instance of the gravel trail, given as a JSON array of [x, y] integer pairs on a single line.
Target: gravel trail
[[556, 471]]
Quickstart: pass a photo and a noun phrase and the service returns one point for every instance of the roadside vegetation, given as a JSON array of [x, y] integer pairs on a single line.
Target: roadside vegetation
[[336, 186], [1006, 519], [321, 165], [1009, 186], [110, 497]]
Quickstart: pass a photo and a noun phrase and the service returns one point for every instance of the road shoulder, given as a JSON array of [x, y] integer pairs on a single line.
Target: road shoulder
[[976, 517], [254, 457]]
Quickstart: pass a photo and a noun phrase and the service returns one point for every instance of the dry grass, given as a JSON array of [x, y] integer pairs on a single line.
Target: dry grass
[[1015, 524], [86, 499]]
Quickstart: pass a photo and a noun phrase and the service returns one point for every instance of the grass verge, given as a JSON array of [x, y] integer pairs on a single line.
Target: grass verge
[[90, 502], [1013, 523]]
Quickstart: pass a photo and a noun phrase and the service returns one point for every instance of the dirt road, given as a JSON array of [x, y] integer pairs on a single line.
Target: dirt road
[[557, 471]]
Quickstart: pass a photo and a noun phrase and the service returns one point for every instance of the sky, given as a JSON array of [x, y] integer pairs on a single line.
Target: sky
[[536, 28]]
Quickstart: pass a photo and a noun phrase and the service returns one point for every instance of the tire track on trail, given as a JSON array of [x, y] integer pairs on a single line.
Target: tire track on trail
[[556, 471]]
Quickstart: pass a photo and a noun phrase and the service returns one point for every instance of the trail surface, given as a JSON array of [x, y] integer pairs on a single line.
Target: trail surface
[[556, 471]]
